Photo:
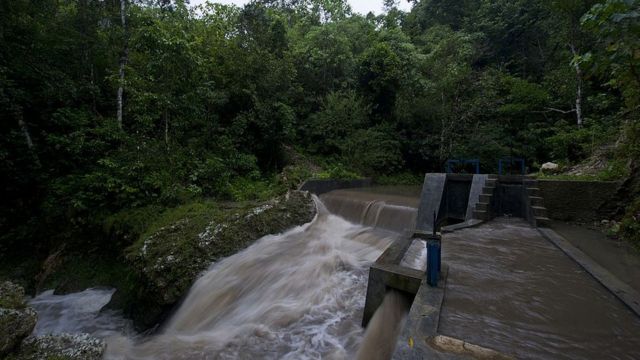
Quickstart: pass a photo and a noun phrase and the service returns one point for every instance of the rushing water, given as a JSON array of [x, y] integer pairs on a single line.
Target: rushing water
[[293, 296], [375, 207], [77, 313], [416, 255]]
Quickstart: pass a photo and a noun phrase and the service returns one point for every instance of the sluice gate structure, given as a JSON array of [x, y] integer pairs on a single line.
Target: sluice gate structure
[[503, 268]]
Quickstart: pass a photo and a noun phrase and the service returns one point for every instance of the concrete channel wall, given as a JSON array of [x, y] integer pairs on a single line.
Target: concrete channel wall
[[576, 200]]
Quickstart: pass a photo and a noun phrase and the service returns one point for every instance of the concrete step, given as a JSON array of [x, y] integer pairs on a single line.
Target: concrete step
[[482, 206], [539, 211], [490, 183], [543, 221], [488, 190], [533, 191], [536, 201], [485, 198], [481, 215]]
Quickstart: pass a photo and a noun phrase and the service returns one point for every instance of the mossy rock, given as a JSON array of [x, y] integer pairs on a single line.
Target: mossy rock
[[60, 347], [16, 319], [169, 259], [11, 296]]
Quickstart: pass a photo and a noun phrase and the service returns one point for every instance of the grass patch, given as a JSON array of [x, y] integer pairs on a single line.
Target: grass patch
[[616, 170], [337, 172], [566, 177], [199, 214]]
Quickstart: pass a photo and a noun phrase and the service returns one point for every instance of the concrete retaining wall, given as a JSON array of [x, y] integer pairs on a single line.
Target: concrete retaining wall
[[320, 187], [576, 200]]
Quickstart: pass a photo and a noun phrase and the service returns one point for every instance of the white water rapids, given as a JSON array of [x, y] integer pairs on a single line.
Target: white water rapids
[[77, 313], [298, 295]]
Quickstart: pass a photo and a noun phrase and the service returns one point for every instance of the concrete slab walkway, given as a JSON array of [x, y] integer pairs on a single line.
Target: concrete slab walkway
[[614, 255], [511, 290]]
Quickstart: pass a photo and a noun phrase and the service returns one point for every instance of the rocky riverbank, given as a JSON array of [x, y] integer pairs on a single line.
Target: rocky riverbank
[[168, 260], [17, 321], [156, 271]]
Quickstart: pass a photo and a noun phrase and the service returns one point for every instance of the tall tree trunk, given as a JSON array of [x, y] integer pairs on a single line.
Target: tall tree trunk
[[27, 137], [123, 62], [443, 130], [578, 87], [166, 128]]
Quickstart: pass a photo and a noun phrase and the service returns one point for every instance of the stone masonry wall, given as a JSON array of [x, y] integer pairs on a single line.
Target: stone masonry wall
[[576, 200]]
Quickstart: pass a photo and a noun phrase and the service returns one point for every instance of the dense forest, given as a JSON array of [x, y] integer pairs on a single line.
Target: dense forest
[[114, 110]]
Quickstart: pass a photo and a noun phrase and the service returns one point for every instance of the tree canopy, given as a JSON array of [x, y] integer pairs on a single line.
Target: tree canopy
[[218, 98]]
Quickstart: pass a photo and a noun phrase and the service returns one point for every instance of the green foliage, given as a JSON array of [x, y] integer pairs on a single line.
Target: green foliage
[[337, 171], [379, 75], [81, 271], [630, 225], [293, 176], [631, 146], [571, 144], [342, 114], [243, 189], [374, 151], [215, 98], [616, 25], [126, 226]]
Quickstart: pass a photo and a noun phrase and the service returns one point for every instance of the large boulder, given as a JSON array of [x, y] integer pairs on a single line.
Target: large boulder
[[550, 168], [170, 259], [17, 320], [61, 347]]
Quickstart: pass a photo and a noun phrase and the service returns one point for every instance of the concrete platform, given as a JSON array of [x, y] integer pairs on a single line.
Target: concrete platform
[[511, 293], [623, 291]]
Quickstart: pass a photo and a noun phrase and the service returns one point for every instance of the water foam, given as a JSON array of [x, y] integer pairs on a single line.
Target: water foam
[[77, 313], [298, 295]]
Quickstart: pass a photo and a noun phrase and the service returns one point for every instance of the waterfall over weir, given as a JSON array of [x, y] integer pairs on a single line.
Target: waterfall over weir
[[395, 212], [298, 295]]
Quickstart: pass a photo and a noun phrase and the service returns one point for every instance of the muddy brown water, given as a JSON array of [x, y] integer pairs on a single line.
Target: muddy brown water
[[391, 208], [298, 295], [511, 290]]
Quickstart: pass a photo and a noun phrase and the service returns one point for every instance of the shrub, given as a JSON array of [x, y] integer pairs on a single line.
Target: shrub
[[630, 225]]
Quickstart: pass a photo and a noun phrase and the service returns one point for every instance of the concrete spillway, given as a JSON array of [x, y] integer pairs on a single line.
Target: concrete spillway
[[387, 208]]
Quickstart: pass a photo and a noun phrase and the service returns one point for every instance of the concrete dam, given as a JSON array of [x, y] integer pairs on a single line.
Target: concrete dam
[[352, 284]]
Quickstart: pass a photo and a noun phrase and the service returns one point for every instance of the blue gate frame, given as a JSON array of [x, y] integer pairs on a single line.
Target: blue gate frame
[[474, 162]]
